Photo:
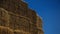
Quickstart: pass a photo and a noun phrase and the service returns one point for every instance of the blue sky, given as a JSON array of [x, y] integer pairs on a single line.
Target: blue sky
[[49, 10]]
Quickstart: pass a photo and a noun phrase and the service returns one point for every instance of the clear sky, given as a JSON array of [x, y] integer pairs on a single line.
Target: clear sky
[[49, 10]]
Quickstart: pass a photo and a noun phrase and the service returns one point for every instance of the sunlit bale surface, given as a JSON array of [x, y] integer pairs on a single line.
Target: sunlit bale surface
[[17, 18]]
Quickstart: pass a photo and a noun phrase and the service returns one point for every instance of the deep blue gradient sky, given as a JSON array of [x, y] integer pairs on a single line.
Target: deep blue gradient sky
[[49, 10]]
